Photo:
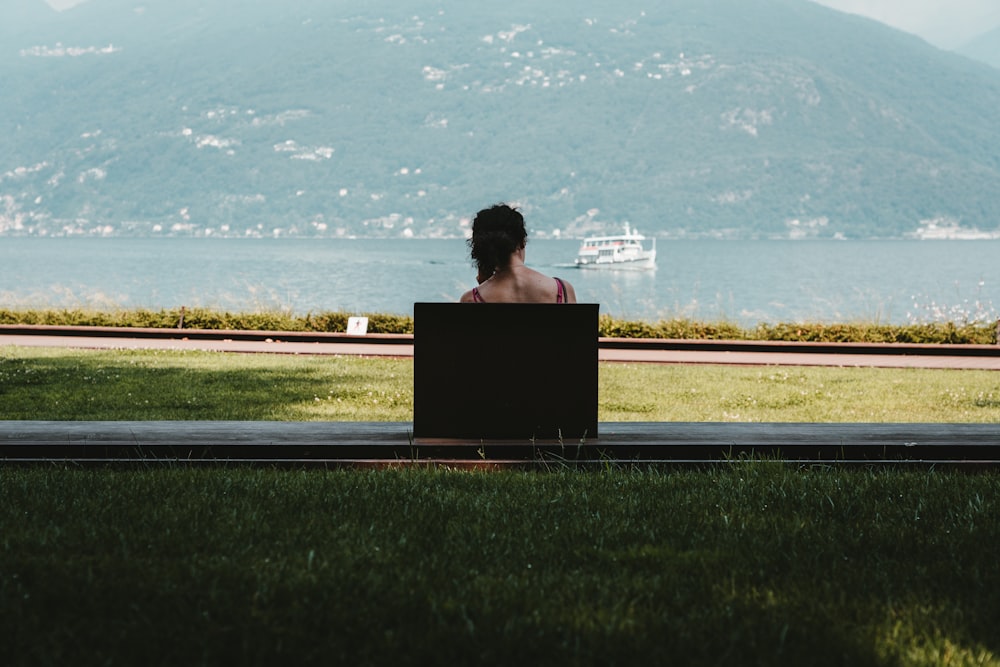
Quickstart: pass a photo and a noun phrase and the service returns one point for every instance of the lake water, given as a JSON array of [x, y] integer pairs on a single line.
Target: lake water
[[742, 281]]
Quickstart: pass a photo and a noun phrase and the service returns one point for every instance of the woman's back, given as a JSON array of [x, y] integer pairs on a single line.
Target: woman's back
[[522, 285]]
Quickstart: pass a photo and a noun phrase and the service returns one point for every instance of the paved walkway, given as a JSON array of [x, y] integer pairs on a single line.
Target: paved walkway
[[983, 357], [267, 345]]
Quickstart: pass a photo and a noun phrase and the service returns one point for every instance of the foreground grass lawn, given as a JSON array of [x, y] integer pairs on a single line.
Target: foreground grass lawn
[[744, 564], [146, 385]]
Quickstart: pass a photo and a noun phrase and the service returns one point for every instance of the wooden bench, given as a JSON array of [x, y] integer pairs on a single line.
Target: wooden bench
[[505, 371]]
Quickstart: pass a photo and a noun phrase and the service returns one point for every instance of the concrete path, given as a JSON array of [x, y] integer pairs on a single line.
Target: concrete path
[[266, 345], [983, 357]]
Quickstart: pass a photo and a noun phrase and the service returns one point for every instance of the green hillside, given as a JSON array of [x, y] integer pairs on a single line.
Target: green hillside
[[743, 118]]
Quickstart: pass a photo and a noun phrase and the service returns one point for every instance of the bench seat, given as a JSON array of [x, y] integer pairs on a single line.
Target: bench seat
[[505, 370]]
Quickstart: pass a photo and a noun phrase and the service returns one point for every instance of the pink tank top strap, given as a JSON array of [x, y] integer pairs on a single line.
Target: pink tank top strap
[[560, 293]]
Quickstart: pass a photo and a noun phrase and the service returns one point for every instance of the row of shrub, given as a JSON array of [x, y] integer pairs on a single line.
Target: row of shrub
[[203, 318], [927, 333], [684, 329]]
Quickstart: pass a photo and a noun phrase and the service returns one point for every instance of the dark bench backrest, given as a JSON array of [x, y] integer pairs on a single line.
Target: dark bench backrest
[[505, 370]]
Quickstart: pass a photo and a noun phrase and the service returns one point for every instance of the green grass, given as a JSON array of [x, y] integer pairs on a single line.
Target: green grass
[[61, 384], [744, 564], [647, 392], [740, 563], [148, 385]]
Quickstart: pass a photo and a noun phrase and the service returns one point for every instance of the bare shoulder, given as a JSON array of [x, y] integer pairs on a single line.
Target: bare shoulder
[[467, 298]]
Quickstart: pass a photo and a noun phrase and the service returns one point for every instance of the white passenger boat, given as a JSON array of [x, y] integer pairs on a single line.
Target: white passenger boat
[[619, 251]]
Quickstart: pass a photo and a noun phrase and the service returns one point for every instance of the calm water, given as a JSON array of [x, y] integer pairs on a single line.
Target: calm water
[[742, 281]]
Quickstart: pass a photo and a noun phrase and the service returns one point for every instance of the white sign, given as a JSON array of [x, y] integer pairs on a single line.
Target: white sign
[[357, 326]]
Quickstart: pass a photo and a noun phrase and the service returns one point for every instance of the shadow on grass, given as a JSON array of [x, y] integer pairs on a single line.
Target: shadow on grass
[[759, 565], [126, 612], [140, 386]]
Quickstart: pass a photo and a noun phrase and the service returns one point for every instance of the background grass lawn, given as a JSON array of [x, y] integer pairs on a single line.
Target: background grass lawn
[[65, 384]]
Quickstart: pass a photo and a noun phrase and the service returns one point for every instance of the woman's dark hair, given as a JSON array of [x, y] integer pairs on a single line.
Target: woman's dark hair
[[497, 232]]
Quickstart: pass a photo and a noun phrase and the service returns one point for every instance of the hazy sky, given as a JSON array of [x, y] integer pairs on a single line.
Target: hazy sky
[[945, 23]]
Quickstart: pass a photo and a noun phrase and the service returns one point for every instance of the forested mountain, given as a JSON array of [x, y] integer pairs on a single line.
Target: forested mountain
[[741, 118]]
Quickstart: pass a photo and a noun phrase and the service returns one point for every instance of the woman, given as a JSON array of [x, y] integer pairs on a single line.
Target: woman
[[498, 239]]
